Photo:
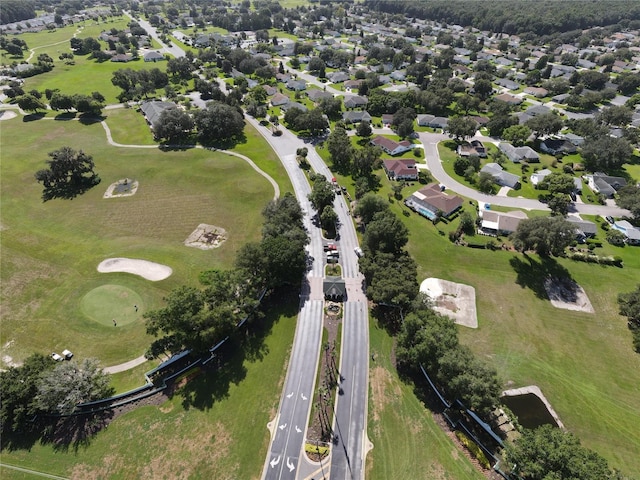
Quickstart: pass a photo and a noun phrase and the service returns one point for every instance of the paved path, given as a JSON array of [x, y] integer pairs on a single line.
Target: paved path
[[126, 365], [32, 472]]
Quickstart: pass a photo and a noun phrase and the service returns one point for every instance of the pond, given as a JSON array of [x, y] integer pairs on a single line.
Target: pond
[[530, 410]]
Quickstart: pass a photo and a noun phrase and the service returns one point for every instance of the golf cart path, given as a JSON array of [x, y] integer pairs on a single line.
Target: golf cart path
[[126, 365]]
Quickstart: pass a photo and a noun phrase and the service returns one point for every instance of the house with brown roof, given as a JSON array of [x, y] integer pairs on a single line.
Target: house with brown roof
[[400, 169], [500, 223], [279, 99], [475, 147], [431, 202], [510, 99], [391, 146]]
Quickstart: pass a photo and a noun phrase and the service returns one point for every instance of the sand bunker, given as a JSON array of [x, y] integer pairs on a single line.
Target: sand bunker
[[206, 237], [122, 188], [567, 294], [454, 300], [7, 115], [148, 270]]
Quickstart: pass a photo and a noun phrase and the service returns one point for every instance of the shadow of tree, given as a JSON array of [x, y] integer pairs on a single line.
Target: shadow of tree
[[75, 432], [245, 345], [69, 190], [33, 117], [532, 273]]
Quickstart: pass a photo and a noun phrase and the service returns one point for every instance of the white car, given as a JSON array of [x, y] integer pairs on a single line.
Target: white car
[[358, 251], [67, 354], [56, 357]]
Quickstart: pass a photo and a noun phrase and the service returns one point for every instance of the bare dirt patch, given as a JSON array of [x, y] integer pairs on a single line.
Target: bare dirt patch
[[206, 237], [143, 268], [567, 294], [122, 188], [454, 300]]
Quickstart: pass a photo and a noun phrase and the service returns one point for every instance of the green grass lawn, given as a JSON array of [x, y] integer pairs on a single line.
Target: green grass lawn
[[128, 126], [583, 363], [408, 443], [219, 433], [50, 250]]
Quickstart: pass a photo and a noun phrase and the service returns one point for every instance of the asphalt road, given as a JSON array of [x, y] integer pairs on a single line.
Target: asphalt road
[[172, 49]]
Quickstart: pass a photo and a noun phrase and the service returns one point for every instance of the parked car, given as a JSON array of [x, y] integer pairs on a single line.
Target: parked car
[[56, 357], [609, 219], [329, 247], [358, 251], [67, 354]]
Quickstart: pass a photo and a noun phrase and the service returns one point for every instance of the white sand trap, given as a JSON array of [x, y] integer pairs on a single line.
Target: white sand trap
[[454, 300], [567, 294], [7, 115], [148, 270], [122, 188], [206, 237]]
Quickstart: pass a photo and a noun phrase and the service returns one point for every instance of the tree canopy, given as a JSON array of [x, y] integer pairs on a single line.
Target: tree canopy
[[550, 453], [174, 126], [385, 233], [218, 123], [545, 235], [629, 198], [605, 153], [70, 174]]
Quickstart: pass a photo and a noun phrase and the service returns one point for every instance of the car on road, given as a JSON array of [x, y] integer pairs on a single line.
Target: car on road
[[609, 219], [358, 251]]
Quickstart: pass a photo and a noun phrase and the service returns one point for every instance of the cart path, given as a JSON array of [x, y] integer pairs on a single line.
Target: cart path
[[126, 365]]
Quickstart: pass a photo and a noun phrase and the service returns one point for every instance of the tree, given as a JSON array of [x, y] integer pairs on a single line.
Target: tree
[[315, 122], [340, 148], [328, 218], [485, 182], [70, 173], [546, 124], [516, 134], [322, 193], [629, 304], [616, 115], [316, 66], [364, 129], [550, 453], [30, 103], [545, 235], [369, 205], [460, 165], [403, 121], [466, 103], [615, 237], [385, 233], [19, 386], [462, 127], [391, 278], [174, 125], [71, 383], [559, 203], [217, 123], [331, 107], [483, 88], [181, 67], [558, 183], [629, 198], [604, 153]]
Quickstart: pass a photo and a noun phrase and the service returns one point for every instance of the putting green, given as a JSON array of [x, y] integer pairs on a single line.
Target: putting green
[[110, 302]]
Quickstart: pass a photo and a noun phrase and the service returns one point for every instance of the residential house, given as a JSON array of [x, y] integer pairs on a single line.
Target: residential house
[[604, 184], [424, 119], [283, 77], [387, 119], [152, 110], [519, 154], [355, 101], [508, 98], [350, 84], [555, 146], [577, 140], [153, 56], [584, 228], [500, 223], [316, 95], [121, 57], [539, 176], [400, 169], [500, 176], [391, 146], [475, 147], [289, 105], [439, 122], [296, 85], [279, 99], [631, 233], [537, 92], [508, 84], [536, 110], [338, 77], [431, 202], [270, 90], [356, 116]]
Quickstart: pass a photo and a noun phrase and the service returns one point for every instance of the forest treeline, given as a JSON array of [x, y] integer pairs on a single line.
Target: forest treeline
[[540, 18], [16, 10]]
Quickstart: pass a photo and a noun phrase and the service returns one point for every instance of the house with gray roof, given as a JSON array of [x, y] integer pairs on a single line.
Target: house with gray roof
[[500, 176], [605, 184], [290, 105], [356, 116], [153, 109], [316, 95], [631, 233], [584, 228], [519, 154], [500, 223], [554, 146], [296, 85], [355, 101]]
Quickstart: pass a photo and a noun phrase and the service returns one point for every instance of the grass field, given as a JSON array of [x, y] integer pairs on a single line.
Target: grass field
[[583, 363], [50, 250], [219, 433], [407, 441]]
